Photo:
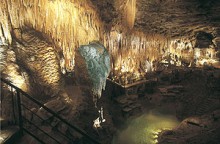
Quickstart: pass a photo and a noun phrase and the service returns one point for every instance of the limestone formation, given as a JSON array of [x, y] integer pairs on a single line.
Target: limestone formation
[[93, 67]]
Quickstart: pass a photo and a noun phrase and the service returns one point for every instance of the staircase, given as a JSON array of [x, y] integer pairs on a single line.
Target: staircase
[[25, 121]]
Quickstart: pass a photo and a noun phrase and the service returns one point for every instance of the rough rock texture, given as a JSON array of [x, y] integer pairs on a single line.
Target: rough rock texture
[[197, 130], [177, 17], [107, 10], [12, 71], [69, 23], [184, 31], [169, 17], [3, 54], [196, 21], [93, 67], [40, 60]]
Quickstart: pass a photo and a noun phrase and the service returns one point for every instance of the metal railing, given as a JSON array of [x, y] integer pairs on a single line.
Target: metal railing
[[20, 108]]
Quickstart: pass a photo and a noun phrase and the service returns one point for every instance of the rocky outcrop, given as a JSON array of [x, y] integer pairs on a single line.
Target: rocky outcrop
[[92, 67], [173, 18], [39, 58], [177, 17], [198, 130]]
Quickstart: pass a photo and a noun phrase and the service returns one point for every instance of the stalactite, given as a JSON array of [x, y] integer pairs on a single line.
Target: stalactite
[[73, 23], [136, 54], [128, 53], [5, 26], [129, 13], [127, 9]]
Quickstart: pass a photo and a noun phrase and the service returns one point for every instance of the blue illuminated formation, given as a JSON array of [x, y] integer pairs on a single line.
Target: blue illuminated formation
[[94, 64]]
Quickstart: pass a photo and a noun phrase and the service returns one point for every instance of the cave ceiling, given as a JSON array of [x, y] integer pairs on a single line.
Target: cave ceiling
[[174, 18], [138, 34]]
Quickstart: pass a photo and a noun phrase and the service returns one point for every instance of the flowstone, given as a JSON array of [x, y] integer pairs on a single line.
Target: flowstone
[[93, 67]]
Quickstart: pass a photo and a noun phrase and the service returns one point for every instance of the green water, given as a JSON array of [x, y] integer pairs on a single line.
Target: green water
[[145, 129]]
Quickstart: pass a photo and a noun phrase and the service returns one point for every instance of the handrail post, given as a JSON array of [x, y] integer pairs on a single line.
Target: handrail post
[[20, 120], [13, 106]]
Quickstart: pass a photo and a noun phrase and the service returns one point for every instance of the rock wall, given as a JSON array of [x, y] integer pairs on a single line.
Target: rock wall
[[40, 60], [177, 17], [203, 129]]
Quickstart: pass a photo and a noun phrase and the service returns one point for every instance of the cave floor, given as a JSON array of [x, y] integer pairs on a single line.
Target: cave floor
[[181, 92], [192, 95]]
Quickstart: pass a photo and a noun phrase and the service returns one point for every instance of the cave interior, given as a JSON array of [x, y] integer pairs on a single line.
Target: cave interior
[[110, 71]]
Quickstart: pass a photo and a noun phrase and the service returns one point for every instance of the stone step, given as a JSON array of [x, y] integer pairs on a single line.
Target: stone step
[[10, 134]]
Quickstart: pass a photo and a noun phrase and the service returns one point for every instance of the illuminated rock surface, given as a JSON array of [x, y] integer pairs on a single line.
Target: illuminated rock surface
[[3, 55], [195, 129], [144, 38], [93, 67], [66, 22], [135, 32], [40, 60]]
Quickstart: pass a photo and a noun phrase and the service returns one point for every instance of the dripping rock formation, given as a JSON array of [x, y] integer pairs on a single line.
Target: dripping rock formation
[[156, 54], [93, 66]]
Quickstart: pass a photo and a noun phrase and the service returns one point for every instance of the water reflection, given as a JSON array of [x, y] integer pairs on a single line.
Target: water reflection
[[145, 129]]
